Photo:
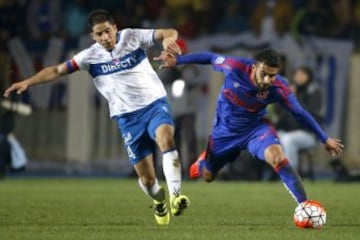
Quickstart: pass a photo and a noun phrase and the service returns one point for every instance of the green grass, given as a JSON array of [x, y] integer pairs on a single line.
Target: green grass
[[117, 209]]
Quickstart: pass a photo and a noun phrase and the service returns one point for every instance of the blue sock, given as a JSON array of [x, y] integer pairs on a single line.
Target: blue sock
[[291, 180]]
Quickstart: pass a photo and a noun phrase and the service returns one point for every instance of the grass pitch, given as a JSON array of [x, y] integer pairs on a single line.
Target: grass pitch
[[108, 208]]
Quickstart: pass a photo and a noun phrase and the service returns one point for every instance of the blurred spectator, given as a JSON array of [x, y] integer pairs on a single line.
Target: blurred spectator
[[272, 19], [109, 4], [11, 20], [131, 14], [292, 134], [233, 21], [342, 24], [164, 19], [178, 4], [206, 13], [201, 5], [154, 8], [187, 23], [311, 20], [43, 18], [139, 17], [75, 12], [122, 15], [297, 4]]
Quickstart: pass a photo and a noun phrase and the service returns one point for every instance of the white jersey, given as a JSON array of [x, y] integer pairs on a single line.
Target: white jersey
[[124, 76]]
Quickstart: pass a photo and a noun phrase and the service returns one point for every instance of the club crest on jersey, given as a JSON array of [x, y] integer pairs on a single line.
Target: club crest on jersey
[[262, 95], [116, 61], [219, 60], [236, 85]]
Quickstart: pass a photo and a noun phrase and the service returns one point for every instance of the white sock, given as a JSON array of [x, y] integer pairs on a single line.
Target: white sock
[[153, 191], [172, 172]]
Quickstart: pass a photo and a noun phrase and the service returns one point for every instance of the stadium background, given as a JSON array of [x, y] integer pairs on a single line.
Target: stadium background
[[69, 131]]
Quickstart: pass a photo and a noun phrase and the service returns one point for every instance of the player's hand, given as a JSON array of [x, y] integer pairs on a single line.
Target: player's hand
[[334, 146], [170, 45], [168, 59], [19, 87]]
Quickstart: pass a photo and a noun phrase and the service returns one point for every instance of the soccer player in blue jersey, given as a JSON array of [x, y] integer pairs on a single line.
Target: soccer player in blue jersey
[[240, 122], [137, 100]]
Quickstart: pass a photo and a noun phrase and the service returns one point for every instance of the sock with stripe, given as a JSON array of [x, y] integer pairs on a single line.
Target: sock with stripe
[[291, 180]]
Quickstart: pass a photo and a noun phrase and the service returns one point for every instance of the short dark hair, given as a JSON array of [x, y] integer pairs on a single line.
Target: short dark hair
[[270, 57], [99, 16]]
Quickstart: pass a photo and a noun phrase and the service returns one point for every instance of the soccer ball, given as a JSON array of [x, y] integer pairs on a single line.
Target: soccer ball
[[309, 214]]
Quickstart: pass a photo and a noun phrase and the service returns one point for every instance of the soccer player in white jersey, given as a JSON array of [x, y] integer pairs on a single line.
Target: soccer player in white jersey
[[122, 73]]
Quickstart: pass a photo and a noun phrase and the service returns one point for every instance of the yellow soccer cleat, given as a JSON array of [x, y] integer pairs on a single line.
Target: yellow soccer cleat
[[178, 204], [161, 212], [162, 215]]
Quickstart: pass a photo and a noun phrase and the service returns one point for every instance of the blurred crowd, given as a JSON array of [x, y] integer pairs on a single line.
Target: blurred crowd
[[39, 19]]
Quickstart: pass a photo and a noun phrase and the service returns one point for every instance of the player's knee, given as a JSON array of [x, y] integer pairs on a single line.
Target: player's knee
[[276, 160], [165, 137], [274, 155], [165, 142]]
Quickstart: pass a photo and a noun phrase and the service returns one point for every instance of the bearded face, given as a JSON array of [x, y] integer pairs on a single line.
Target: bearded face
[[264, 75]]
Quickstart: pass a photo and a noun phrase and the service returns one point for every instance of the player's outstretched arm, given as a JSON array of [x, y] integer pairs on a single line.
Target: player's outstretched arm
[[45, 75], [168, 39], [333, 146], [169, 60]]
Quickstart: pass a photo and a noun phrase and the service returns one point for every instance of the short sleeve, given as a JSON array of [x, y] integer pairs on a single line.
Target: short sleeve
[[146, 37], [80, 59]]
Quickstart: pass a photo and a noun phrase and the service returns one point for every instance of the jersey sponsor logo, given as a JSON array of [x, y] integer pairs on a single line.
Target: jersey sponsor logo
[[119, 64], [234, 99]]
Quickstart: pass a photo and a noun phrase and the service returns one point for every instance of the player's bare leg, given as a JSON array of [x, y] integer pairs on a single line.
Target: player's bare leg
[[150, 186], [274, 155], [172, 168]]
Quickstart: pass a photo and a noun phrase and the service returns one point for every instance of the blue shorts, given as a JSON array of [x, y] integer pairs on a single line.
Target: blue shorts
[[138, 128], [225, 147]]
